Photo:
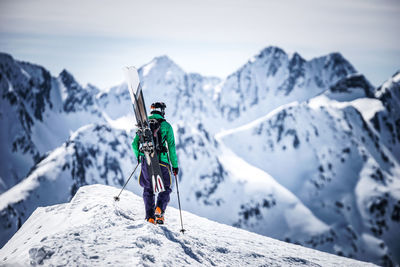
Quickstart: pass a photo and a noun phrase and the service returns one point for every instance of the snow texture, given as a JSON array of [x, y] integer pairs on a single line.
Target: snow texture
[[93, 229]]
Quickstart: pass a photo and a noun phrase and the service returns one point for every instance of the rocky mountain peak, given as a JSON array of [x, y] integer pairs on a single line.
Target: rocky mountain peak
[[338, 64], [5, 58], [273, 51], [164, 59], [296, 57], [69, 81], [161, 64]]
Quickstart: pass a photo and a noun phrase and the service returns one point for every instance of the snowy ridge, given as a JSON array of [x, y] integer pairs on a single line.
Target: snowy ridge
[[94, 230], [272, 79], [299, 151]]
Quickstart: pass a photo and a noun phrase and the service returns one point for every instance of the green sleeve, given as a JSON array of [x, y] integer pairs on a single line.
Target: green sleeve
[[135, 146], [171, 147]]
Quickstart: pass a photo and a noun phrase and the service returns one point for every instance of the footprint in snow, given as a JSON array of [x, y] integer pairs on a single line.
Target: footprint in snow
[[295, 261], [133, 226]]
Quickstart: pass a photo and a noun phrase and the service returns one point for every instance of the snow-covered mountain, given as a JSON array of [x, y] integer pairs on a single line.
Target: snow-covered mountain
[[325, 154], [273, 78], [303, 151], [94, 230], [38, 114]]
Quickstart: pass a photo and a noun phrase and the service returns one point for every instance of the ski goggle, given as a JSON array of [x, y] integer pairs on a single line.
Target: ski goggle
[[158, 106]]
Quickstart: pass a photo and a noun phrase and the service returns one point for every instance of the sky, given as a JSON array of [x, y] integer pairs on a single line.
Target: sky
[[94, 39]]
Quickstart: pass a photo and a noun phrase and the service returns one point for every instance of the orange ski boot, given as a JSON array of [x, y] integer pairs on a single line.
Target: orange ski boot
[[151, 220], [159, 216]]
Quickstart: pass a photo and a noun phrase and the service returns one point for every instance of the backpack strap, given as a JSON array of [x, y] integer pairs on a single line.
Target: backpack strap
[[163, 147]]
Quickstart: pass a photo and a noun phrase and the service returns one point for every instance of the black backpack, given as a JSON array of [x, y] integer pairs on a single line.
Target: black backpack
[[155, 127]]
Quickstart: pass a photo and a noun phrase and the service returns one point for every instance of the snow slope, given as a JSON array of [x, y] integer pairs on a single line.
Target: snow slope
[[94, 230], [328, 156], [231, 191]]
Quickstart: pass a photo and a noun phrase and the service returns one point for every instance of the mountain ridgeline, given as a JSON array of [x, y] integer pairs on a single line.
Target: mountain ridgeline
[[305, 151]]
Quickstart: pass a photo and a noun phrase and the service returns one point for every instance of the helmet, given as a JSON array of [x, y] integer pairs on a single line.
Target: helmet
[[158, 108]]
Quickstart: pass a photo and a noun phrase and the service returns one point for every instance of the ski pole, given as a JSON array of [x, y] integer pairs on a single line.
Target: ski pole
[[179, 203], [116, 198], [179, 200]]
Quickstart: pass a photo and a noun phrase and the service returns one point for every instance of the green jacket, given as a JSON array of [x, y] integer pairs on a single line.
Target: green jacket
[[167, 134]]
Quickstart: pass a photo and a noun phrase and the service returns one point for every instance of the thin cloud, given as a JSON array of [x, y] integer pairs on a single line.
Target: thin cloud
[[179, 28]]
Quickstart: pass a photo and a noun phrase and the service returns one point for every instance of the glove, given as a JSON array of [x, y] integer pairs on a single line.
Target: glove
[[175, 171]]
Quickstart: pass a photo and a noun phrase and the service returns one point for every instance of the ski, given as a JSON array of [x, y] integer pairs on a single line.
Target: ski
[[144, 132]]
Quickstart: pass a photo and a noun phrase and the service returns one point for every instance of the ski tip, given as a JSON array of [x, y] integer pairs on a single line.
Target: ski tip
[[132, 78]]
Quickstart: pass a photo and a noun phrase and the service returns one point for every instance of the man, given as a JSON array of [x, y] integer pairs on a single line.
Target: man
[[155, 214]]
